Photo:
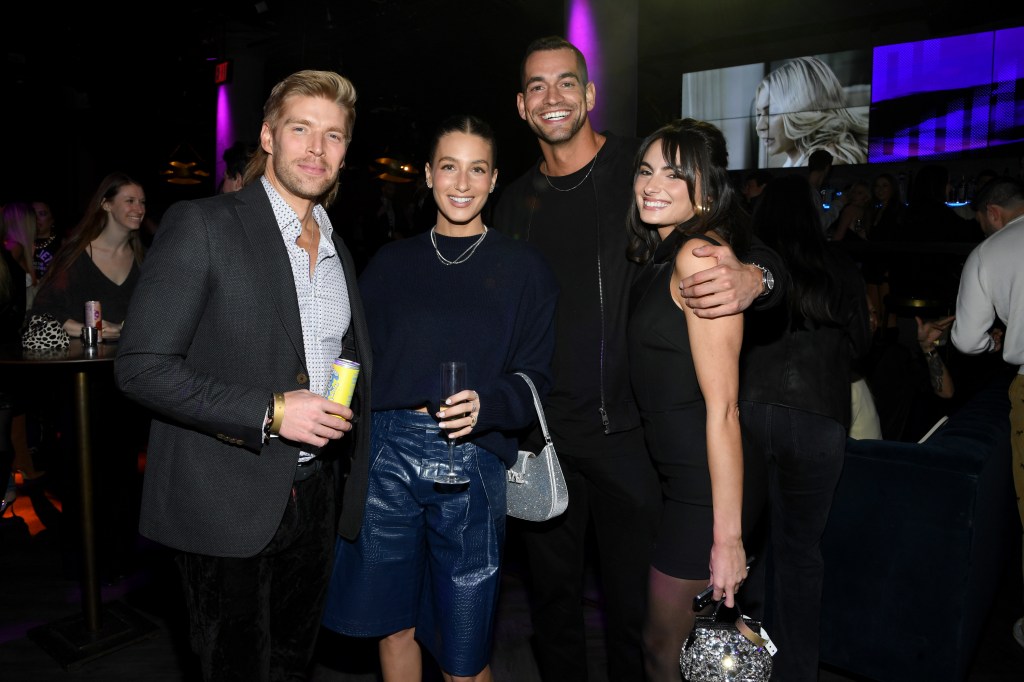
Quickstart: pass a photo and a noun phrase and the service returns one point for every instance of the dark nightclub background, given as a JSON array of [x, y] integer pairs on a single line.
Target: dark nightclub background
[[93, 87]]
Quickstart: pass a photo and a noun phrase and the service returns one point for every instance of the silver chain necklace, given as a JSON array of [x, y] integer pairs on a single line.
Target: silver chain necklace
[[559, 189], [464, 256]]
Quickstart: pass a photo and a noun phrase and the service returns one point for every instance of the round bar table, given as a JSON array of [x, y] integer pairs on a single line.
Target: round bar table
[[99, 629]]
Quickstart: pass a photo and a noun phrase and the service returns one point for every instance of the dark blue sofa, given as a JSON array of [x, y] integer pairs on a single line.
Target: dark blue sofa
[[916, 544]]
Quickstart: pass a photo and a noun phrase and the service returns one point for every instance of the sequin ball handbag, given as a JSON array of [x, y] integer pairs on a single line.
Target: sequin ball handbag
[[536, 487], [720, 649]]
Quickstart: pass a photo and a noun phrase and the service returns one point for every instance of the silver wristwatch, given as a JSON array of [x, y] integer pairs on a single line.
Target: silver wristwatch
[[767, 280]]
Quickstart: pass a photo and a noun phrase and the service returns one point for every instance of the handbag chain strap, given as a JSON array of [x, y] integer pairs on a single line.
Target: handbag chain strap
[[538, 406]]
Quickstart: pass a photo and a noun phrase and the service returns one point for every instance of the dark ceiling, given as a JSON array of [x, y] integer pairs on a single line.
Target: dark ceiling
[[97, 86], [119, 85]]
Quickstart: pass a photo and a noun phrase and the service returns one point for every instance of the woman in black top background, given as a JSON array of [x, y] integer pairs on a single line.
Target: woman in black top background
[[795, 402]]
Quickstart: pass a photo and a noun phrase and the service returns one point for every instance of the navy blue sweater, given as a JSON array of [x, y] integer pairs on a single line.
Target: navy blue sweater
[[495, 312]]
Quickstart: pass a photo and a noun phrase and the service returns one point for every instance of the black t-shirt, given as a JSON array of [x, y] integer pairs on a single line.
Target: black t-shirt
[[578, 222]]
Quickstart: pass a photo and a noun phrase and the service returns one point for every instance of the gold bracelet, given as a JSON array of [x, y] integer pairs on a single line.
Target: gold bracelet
[[275, 424]]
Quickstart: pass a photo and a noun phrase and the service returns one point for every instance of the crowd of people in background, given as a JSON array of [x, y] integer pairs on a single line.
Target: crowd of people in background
[[695, 333]]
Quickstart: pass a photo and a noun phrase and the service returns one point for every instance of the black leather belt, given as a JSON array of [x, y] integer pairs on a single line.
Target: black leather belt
[[307, 469]]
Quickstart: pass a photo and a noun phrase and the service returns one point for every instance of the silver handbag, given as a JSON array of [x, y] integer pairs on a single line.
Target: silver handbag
[[536, 487], [720, 649]]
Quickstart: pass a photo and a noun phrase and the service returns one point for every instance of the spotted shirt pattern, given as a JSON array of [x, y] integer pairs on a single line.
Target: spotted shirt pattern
[[323, 298]]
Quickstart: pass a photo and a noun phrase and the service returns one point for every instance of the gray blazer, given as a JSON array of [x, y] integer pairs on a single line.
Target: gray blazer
[[213, 329]]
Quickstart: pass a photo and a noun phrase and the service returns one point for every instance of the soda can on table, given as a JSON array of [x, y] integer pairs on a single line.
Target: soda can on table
[[343, 381], [93, 314]]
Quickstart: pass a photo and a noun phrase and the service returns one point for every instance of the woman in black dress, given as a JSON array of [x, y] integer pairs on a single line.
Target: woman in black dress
[[100, 260], [685, 374]]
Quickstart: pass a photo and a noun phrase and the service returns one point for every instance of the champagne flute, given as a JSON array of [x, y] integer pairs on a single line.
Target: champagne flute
[[453, 380]]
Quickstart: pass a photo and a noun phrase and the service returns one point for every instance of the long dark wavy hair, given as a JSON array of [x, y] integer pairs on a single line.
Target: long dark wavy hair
[[698, 154], [92, 223], [786, 219]]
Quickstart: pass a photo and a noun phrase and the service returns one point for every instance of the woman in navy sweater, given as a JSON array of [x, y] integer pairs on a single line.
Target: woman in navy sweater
[[426, 563]]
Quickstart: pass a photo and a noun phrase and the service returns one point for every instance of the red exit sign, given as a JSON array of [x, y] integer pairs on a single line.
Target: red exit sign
[[222, 72]]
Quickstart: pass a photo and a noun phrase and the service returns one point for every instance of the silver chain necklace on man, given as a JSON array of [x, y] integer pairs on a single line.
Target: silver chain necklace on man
[[559, 189], [464, 256]]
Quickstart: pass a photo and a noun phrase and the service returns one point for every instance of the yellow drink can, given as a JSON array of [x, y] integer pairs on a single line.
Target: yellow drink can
[[343, 381]]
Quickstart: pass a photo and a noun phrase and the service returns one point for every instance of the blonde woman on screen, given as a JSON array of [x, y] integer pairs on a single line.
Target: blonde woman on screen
[[801, 106]]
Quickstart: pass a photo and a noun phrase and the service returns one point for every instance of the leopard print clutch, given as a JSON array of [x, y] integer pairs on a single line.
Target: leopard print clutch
[[44, 332]]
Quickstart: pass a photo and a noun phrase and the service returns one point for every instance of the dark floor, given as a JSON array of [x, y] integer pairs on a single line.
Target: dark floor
[[39, 590]]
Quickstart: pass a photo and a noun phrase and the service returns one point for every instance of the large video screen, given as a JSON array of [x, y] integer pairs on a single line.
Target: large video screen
[[947, 97], [774, 114]]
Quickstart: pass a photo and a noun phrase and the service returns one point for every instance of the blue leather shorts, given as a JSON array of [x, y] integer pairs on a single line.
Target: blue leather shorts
[[427, 556]]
